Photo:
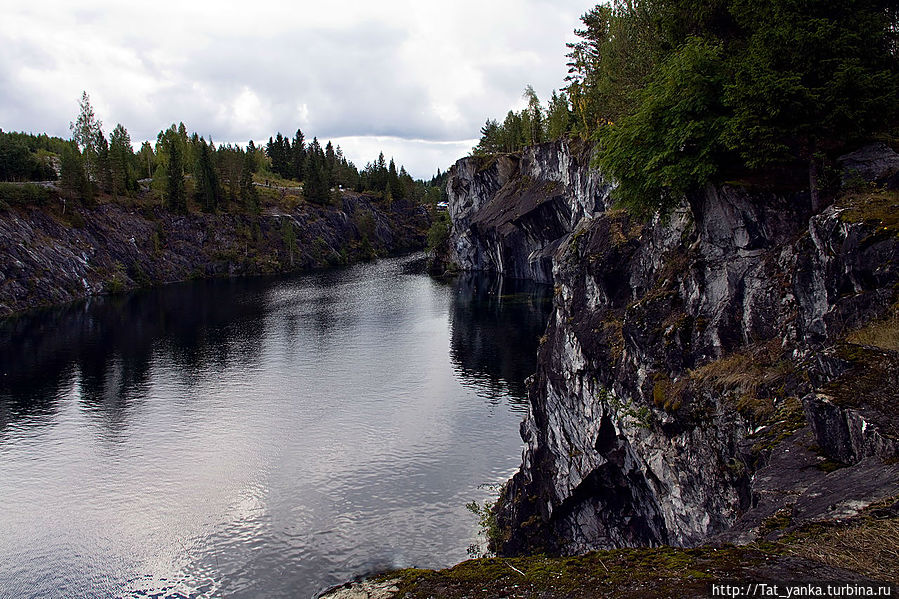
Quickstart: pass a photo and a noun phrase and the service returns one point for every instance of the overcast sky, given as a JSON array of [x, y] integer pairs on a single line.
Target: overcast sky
[[414, 78]]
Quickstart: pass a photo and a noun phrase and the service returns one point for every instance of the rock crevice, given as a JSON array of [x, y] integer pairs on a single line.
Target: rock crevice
[[685, 357]]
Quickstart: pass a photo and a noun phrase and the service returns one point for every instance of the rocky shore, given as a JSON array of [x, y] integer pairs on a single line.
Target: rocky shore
[[57, 253], [703, 375]]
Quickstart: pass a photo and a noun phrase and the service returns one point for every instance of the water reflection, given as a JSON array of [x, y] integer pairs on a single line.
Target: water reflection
[[494, 321], [257, 437], [108, 343]]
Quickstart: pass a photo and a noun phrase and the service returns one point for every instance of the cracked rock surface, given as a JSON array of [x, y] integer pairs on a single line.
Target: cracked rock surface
[[699, 378]]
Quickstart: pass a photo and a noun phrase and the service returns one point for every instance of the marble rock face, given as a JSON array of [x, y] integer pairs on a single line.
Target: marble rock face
[[694, 379]]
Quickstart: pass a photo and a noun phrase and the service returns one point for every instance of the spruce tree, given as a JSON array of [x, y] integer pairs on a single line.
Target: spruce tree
[[298, 156], [104, 172], [813, 76], [248, 194], [330, 163], [394, 188], [208, 190], [121, 156], [379, 174], [175, 193], [558, 118], [315, 188], [72, 176]]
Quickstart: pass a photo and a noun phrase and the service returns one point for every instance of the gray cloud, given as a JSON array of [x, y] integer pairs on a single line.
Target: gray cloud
[[400, 70]]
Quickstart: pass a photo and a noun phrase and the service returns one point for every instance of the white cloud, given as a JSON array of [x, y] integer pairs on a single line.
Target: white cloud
[[421, 157], [400, 70]]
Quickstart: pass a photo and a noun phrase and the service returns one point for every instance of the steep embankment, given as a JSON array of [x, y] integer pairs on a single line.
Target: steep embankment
[[511, 212], [718, 375], [50, 255]]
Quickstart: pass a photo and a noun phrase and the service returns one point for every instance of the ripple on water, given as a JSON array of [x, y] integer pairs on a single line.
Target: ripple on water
[[258, 437]]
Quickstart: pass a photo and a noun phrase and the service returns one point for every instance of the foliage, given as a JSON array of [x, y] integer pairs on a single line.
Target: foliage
[[762, 83], [680, 93], [610, 63], [72, 175], [86, 130], [249, 197], [175, 192], [671, 143], [121, 161], [208, 190], [27, 157], [146, 158], [439, 232], [809, 79], [102, 172], [316, 187], [532, 125], [487, 522], [188, 170], [558, 116], [27, 194]]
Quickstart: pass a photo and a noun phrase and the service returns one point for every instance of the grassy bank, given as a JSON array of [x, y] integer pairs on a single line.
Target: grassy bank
[[861, 549]]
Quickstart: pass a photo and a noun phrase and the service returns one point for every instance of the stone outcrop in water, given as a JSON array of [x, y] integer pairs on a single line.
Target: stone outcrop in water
[[50, 255], [725, 374]]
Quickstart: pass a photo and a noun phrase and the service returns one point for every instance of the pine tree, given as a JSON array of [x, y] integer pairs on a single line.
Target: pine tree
[[121, 156], [394, 188], [104, 172], [72, 177], [490, 142], [208, 189], [315, 188], [175, 193], [298, 156], [330, 164], [248, 194]]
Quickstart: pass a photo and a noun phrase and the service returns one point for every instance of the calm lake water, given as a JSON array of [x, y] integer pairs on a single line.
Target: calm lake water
[[258, 438]]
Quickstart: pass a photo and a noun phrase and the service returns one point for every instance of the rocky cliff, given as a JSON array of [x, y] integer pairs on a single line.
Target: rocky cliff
[[53, 253], [726, 373], [511, 212]]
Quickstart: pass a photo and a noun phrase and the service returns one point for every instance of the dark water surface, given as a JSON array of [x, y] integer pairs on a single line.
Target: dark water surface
[[257, 438]]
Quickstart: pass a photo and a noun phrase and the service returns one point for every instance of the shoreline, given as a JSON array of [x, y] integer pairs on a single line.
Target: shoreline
[[52, 255]]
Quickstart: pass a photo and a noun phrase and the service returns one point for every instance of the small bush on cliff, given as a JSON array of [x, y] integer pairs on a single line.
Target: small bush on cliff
[[438, 234], [23, 195], [486, 514]]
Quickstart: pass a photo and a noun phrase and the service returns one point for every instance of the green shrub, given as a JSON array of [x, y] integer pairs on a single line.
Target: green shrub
[[26, 194], [439, 232]]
